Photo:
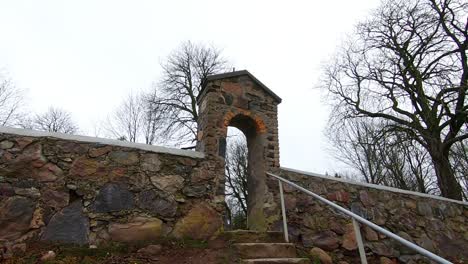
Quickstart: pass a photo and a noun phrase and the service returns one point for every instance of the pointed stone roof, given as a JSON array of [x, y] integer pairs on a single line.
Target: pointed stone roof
[[237, 74]]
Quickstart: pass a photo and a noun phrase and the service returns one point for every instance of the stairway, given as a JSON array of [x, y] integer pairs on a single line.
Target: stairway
[[252, 247]]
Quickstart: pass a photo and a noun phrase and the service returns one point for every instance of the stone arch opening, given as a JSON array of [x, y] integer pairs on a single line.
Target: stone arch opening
[[253, 130]]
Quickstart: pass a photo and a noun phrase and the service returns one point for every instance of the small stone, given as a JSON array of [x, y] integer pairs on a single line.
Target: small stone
[[366, 199], [28, 192], [72, 186], [382, 249], [97, 152], [56, 199], [83, 167], [337, 228], [339, 196], [156, 204], [326, 240], [19, 249], [5, 144], [49, 172], [151, 162], [6, 190], [37, 220], [201, 222], [201, 175], [349, 238], [370, 234], [138, 229], [113, 197], [168, 183], [424, 208], [385, 260], [92, 246], [124, 157], [195, 191], [50, 255], [321, 255], [150, 251]]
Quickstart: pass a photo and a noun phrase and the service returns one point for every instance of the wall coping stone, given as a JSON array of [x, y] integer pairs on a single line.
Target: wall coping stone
[[105, 141], [375, 186]]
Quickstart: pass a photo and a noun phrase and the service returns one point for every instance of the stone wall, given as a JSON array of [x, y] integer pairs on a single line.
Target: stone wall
[[71, 189], [437, 224]]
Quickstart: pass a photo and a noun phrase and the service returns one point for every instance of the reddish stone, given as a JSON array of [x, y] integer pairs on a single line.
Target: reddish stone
[[349, 238], [339, 196], [366, 199], [24, 141], [49, 172], [83, 167], [56, 199]]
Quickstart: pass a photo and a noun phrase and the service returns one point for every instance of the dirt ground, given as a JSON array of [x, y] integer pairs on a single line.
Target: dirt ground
[[173, 252]]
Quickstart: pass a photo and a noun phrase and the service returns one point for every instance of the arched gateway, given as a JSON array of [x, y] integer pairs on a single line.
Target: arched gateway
[[238, 99]]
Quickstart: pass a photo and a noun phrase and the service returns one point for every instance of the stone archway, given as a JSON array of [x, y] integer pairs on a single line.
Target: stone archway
[[256, 187], [238, 99]]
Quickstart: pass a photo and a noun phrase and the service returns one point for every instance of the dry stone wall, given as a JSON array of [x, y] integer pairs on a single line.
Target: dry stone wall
[[57, 188], [437, 224]]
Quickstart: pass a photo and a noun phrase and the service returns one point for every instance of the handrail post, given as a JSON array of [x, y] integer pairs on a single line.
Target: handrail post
[[357, 232], [283, 212]]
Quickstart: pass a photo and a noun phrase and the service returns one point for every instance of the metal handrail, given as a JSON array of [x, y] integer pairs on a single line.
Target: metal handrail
[[356, 218]]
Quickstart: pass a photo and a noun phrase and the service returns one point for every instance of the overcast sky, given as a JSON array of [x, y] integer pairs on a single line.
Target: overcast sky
[[85, 56]]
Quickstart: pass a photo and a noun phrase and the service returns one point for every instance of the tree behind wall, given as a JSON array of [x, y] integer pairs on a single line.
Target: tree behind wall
[[11, 102], [175, 95], [53, 120], [134, 120], [408, 65], [236, 180], [380, 157]]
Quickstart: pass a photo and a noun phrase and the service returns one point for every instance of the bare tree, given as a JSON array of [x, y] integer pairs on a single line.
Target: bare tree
[[381, 158], [175, 95], [408, 65], [54, 120], [356, 143], [11, 99], [134, 120], [236, 180]]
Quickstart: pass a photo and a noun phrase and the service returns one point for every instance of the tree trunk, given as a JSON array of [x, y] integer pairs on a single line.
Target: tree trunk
[[448, 184]]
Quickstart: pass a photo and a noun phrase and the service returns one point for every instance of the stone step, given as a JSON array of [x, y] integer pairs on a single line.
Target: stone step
[[249, 236], [265, 250], [276, 261]]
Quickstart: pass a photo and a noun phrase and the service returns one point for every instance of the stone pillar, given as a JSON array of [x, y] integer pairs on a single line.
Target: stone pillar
[[238, 99]]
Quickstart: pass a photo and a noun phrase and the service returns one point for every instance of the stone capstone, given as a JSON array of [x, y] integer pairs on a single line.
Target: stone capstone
[[15, 216], [69, 225], [138, 229], [113, 197], [157, 204], [201, 222]]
